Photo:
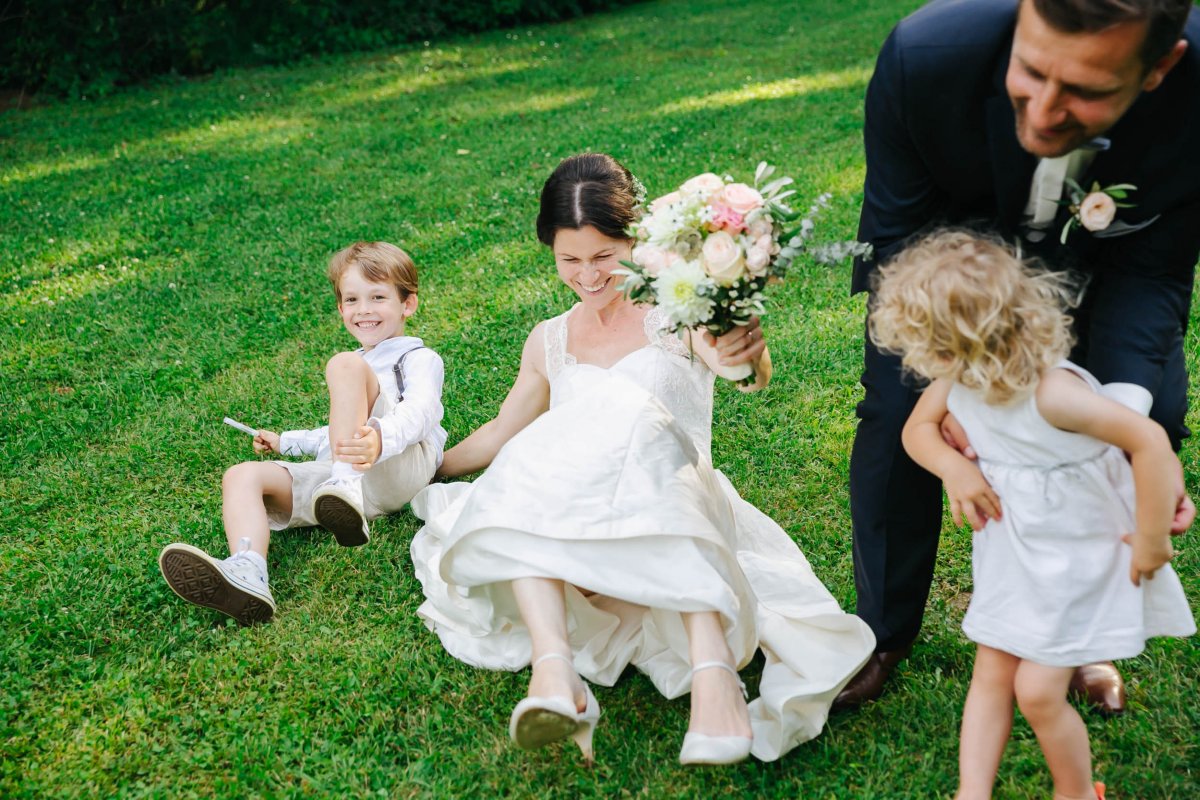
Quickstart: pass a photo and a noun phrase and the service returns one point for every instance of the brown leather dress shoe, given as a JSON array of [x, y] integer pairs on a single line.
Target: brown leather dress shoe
[[1101, 685], [868, 683]]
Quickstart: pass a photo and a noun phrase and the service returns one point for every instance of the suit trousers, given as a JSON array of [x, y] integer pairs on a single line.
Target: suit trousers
[[1128, 330]]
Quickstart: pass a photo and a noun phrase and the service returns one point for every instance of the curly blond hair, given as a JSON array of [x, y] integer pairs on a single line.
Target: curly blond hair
[[959, 306]]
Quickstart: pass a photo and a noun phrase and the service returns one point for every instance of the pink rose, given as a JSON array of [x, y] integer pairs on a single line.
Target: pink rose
[[653, 259], [664, 201], [721, 257], [1097, 210], [725, 218], [704, 184], [741, 198]]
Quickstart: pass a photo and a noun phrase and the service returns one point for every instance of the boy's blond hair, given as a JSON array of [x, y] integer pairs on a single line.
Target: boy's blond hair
[[379, 262], [966, 308]]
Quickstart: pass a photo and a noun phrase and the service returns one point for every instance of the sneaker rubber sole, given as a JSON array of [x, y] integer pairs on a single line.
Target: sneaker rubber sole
[[192, 575], [342, 520]]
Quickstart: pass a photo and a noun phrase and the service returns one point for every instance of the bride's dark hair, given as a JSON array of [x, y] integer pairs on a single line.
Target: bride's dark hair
[[588, 189]]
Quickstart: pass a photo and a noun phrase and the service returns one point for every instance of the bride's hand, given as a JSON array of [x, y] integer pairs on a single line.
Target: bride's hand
[[742, 344]]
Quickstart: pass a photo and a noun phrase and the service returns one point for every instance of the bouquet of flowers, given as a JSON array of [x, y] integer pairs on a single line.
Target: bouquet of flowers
[[705, 252]]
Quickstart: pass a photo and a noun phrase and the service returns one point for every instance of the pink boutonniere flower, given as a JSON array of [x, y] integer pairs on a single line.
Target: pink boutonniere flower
[[1094, 210]]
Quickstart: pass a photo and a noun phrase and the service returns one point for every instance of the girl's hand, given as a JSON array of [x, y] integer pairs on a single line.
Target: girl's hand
[[743, 343], [266, 442], [1150, 553], [362, 451], [971, 497]]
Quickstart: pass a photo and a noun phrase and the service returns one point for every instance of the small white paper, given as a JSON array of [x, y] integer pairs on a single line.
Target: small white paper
[[243, 428]]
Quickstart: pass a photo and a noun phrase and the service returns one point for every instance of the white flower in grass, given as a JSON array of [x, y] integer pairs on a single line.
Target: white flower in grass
[[677, 292]]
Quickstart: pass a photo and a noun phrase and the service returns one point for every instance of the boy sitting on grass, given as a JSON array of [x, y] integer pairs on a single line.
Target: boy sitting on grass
[[383, 443]]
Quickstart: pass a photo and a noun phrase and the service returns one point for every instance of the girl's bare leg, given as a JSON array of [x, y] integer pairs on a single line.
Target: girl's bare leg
[[986, 722], [718, 707], [1042, 697], [543, 608], [247, 489]]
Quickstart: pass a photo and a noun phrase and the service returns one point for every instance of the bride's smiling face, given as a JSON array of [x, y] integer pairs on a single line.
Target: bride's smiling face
[[585, 258]]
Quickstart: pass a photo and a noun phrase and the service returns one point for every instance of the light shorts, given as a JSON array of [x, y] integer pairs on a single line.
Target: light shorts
[[387, 485]]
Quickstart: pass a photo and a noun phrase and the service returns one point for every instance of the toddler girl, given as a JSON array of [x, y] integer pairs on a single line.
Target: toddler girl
[[1068, 530]]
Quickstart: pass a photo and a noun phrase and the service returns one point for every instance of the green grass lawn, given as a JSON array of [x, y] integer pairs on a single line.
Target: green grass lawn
[[161, 259]]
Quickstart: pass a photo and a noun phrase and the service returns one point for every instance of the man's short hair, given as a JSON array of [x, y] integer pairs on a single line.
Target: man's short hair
[[1164, 20]]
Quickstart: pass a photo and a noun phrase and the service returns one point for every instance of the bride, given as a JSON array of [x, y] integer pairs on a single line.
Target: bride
[[600, 534]]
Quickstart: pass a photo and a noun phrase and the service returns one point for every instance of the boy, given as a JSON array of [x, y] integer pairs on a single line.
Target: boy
[[383, 443]]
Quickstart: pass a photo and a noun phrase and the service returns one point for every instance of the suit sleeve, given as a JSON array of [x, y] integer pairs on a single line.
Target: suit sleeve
[[899, 195], [1141, 296]]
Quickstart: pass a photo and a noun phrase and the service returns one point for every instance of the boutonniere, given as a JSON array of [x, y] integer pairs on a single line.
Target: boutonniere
[[1093, 210]]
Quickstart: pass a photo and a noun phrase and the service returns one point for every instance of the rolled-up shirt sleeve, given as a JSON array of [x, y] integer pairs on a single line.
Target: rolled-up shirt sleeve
[[303, 443], [419, 414]]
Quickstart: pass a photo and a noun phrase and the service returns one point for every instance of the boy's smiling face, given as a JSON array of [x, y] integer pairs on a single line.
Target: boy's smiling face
[[372, 312]]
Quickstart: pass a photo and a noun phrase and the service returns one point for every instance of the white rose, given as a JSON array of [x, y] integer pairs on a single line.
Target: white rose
[[722, 259], [741, 198], [653, 259], [757, 260], [1097, 210], [664, 201], [704, 184], [760, 227]]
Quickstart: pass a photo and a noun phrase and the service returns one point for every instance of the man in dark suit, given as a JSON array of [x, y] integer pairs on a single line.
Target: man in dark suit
[[977, 113]]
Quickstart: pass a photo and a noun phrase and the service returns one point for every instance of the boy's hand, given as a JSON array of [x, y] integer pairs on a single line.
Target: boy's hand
[[972, 498], [362, 451], [266, 442], [1150, 553]]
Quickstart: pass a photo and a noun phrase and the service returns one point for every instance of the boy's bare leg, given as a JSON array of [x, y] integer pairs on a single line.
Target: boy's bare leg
[[247, 490], [353, 389], [986, 722]]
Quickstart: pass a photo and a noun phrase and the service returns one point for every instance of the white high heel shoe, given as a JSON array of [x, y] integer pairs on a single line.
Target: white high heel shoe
[[700, 748], [538, 721]]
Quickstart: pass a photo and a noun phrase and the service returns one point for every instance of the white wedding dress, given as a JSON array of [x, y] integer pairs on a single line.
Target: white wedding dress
[[613, 491]]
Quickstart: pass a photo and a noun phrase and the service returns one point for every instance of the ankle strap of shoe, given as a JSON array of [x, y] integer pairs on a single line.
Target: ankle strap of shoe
[[548, 656], [722, 665]]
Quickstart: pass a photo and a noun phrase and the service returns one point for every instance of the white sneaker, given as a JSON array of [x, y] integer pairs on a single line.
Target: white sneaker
[[338, 507], [236, 586]]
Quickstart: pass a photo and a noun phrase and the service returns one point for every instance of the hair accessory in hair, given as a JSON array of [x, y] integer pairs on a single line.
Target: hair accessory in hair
[[639, 191]]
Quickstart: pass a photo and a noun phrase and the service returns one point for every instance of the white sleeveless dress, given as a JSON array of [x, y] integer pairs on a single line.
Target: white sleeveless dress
[[1052, 575], [613, 491]]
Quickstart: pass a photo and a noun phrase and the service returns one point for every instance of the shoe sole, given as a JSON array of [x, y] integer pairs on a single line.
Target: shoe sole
[[195, 579], [539, 727], [341, 519]]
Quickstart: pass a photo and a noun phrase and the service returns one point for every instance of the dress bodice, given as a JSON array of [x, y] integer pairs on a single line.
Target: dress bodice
[[664, 367], [1017, 434]]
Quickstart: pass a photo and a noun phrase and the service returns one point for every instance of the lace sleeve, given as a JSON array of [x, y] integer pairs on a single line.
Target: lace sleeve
[[657, 333], [555, 345]]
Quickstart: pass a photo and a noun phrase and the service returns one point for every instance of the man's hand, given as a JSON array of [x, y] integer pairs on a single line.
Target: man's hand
[[972, 498], [954, 435], [362, 451], [266, 442]]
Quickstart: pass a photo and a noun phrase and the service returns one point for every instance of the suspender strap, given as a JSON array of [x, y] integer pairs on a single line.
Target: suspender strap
[[398, 373]]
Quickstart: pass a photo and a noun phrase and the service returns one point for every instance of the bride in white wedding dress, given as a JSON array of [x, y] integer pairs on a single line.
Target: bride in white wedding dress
[[600, 535]]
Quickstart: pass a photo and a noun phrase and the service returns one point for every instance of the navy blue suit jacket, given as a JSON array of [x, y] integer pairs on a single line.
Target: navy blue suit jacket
[[941, 148]]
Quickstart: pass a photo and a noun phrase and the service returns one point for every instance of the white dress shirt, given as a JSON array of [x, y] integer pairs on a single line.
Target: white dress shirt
[[418, 418]]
